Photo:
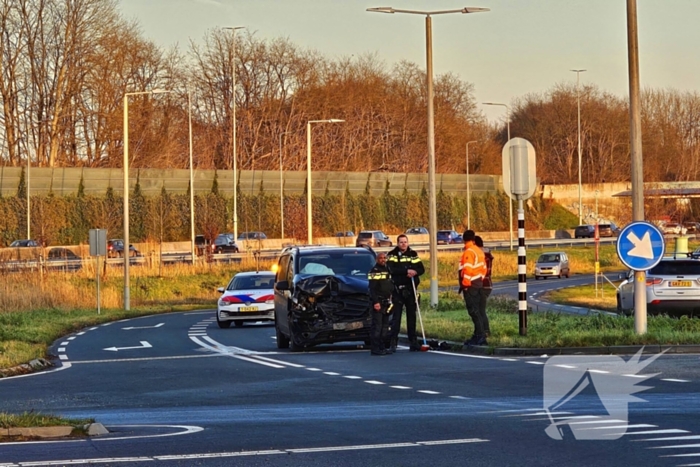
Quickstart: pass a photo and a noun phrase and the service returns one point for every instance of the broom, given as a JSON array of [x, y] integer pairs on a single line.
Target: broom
[[425, 347]]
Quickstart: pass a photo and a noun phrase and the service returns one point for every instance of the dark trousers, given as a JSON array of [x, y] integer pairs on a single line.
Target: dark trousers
[[404, 298], [475, 300], [381, 328]]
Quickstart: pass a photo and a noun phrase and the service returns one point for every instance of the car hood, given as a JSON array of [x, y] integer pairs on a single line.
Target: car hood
[[248, 296]]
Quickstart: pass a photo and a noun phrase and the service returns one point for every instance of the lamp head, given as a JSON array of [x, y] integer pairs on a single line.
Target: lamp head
[[473, 9], [382, 9]]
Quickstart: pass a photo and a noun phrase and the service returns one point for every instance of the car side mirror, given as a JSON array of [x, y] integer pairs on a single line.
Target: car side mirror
[[282, 285], [220, 290]]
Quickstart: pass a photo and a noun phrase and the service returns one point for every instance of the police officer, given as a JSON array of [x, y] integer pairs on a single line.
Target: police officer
[[380, 289], [405, 267]]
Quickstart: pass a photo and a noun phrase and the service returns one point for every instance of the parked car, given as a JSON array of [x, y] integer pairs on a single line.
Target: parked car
[[224, 243], [322, 296], [585, 231], [372, 238], [252, 236], [692, 227], [673, 287], [448, 237], [115, 249], [347, 233], [416, 231], [24, 244], [672, 228], [553, 264], [608, 230], [248, 297], [63, 259]]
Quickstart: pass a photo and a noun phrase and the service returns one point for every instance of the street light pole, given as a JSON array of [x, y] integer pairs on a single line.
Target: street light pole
[[127, 298], [309, 210], [578, 105], [282, 187], [432, 196], [233, 126], [29, 210], [469, 199], [189, 118], [510, 201]]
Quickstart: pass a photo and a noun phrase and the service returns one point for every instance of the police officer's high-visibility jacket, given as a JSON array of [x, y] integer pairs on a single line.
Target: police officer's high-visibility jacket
[[472, 266], [380, 284], [399, 262]]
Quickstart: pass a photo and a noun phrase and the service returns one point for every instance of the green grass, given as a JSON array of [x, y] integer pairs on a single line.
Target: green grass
[[451, 322], [33, 419]]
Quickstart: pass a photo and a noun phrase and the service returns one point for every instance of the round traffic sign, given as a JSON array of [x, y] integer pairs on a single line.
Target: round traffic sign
[[640, 246]]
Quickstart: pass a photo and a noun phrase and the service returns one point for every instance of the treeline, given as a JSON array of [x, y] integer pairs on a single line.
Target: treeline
[[66, 220], [67, 65]]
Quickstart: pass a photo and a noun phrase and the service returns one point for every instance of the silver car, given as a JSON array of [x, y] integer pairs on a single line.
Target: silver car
[[673, 288], [552, 264]]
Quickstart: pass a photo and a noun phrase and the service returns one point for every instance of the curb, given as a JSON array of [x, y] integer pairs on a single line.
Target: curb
[[92, 429]]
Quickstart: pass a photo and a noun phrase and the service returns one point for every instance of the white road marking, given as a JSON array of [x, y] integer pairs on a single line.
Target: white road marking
[[509, 360], [65, 343], [143, 327], [71, 338], [214, 455], [227, 352], [680, 446], [602, 372], [565, 366], [186, 429], [639, 376], [460, 397], [371, 381], [63, 357], [143, 359], [144, 345], [617, 427], [535, 363], [400, 387], [81, 333], [673, 380], [281, 362], [92, 329], [352, 377], [64, 366], [671, 438], [61, 349], [314, 369], [661, 432], [331, 373], [425, 391]]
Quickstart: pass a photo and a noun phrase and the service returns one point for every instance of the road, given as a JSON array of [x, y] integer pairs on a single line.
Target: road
[[175, 390]]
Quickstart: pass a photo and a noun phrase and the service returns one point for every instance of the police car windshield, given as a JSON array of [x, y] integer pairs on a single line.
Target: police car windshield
[[339, 264], [263, 281]]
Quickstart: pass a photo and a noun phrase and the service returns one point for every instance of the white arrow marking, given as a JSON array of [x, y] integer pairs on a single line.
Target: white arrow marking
[[642, 248], [144, 345], [143, 327]]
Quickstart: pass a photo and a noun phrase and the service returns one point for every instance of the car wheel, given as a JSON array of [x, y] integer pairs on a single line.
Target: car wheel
[[537, 278], [282, 340], [222, 324], [293, 346]]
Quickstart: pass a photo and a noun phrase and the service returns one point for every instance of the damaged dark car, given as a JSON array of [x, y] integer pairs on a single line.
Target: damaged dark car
[[322, 296]]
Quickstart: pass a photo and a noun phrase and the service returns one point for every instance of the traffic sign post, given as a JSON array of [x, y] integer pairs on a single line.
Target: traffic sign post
[[519, 183], [98, 247], [640, 247]]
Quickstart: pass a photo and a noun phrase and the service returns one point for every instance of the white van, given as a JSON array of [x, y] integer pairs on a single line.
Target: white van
[[553, 264]]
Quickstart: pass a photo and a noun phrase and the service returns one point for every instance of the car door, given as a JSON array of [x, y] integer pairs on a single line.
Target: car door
[[626, 292], [284, 273]]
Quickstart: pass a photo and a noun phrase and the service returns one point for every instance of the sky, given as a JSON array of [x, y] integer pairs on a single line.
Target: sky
[[517, 48]]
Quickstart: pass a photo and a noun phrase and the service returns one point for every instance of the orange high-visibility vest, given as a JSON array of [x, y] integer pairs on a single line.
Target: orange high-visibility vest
[[472, 266]]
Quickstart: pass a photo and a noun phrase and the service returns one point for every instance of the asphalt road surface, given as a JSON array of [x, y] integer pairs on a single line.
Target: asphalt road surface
[[175, 390]]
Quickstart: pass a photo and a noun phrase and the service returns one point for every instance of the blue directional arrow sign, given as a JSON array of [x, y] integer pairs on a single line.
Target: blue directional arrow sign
[[640, 246]]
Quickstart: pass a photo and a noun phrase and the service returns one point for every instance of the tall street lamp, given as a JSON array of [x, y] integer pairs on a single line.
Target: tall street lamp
[[29, 211], [233, 126], [282, 187], [189, 119], [469, 199], [127, 300], [309, 209], [578, 105], [432, 201], [510, 202]]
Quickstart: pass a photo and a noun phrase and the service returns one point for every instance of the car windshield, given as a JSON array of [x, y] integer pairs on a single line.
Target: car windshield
[[262, 281], [365, 235], [549, 258], [341, 264], [676, 268]]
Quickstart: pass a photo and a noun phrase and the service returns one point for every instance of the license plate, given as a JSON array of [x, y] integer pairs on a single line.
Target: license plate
[[348, 326], [681, 283], [248, 308]]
